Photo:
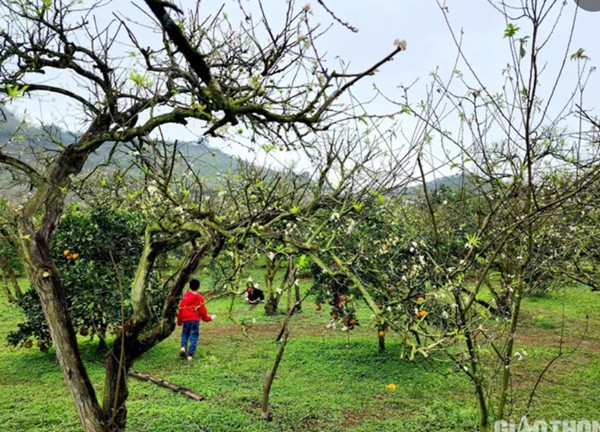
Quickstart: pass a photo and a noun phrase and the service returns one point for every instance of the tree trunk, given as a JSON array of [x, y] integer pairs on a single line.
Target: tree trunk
[[271, 305], [101, 333], [381, 341], [482, 408], [12, 277], [271, 377], [35, 246], [115, 385], [44, 277], [272, 301], [285, 331], [136, 338], [508, 352], [9, 294], [298, 297]]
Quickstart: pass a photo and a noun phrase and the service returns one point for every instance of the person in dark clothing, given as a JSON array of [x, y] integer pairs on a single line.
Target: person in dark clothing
[[337, 310], [253, 295]]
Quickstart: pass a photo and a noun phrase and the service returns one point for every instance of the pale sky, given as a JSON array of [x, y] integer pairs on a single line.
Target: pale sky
[[380, 23]]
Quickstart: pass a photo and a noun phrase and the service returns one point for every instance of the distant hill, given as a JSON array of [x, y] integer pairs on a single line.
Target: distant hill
[[7, 119], [450, 183], [34, 144], [207, 162]]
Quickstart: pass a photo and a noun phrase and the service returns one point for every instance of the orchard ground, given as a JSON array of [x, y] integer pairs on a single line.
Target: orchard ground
[[328, 380]]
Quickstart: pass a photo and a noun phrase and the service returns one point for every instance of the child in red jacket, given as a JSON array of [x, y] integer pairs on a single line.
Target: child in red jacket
[[191, 311]]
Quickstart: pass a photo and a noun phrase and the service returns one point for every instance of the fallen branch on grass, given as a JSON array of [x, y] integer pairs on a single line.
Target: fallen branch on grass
[[162, 383]]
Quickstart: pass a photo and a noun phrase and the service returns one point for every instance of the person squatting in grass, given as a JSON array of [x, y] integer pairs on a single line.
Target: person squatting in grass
[[253, 295], [337, 310], [191, 311]]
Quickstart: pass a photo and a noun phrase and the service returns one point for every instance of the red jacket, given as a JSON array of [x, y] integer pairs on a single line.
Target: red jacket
[[192, 308]]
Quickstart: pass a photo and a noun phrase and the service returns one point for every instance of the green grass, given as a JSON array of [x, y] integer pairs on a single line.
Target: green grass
[[328, 380]]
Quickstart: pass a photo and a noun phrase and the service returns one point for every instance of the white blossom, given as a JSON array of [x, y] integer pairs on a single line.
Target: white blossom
[[351, 226], [400, 44]]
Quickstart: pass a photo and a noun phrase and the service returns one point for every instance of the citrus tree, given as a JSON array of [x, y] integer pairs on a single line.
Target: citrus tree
[[94, 249]]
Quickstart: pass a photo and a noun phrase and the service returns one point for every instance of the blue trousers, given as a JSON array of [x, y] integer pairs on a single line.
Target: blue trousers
[[191, 333]]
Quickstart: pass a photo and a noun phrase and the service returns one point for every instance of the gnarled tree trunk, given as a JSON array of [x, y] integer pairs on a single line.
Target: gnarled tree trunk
[[44, 276], [137, 337]]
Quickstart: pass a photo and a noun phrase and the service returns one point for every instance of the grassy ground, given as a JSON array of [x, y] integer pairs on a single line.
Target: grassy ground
[[328, 380]]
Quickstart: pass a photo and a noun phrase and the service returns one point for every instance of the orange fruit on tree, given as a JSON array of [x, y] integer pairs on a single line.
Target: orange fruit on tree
[[39, 343], [28, 344], [318, 307], [75, 256], [381, 333], [335, 316], [420, 299], [67, 252], [422, 314]]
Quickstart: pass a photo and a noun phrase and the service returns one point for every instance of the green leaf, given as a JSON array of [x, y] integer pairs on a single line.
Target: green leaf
[[302, 262], [473, 240], [511, 30], [522, 45], [579, 55], [139, 79], [15, 91]]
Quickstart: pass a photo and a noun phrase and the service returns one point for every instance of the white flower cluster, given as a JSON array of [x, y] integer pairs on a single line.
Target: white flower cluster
[[289, 228], [400, 44], [351, 226]]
